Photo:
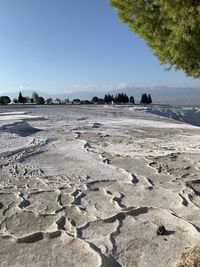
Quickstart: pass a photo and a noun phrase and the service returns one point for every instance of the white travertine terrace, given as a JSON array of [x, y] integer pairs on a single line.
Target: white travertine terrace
[[90, 185]]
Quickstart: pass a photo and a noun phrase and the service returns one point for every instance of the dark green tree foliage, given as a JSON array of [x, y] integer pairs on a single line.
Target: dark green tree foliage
[[149, 100], [132, 100], [40, 101], [122, 98], [95, 99], [108, 99], [85, 102], [76, 101], [15, 100], [170, 27], [101, 101], [20, 98], [49, 101], [146, 99], [4, 100]]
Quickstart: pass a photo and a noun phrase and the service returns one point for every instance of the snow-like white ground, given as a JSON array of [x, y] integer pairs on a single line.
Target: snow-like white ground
[[90, 185]]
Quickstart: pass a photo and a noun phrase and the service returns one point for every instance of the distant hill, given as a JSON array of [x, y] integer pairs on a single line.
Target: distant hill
[[166, 94], [81, 94], [160, 94]]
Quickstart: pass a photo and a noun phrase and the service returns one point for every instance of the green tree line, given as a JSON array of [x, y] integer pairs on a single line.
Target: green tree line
[[120, 98]]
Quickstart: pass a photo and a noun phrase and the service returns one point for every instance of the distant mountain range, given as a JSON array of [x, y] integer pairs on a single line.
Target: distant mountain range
[[159, 94]]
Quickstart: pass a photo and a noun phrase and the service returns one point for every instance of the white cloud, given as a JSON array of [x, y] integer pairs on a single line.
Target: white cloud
[[76, 85], [83, 87], [107, 86], [99, 87], [121, 85]]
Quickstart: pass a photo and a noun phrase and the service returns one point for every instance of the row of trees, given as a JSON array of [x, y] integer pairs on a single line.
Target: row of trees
[[121, 99], [108, 99], [35, 99]]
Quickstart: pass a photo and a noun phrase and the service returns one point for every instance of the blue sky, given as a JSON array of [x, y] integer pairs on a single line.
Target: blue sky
[[72, 45]]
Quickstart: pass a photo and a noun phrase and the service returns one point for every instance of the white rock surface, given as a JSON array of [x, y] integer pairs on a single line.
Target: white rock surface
[[90, 185]]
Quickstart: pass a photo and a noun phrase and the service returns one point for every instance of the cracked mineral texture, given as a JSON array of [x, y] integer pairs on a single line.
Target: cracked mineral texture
[[90, 186]]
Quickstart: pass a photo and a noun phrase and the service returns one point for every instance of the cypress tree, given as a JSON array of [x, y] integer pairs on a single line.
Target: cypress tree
[[144, 99], [149, 99], [20, 98]]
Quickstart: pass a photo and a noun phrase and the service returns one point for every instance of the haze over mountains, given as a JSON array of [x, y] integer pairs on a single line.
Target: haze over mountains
[[160, 94]]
